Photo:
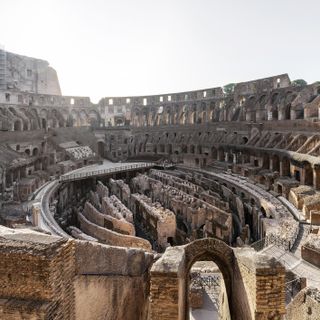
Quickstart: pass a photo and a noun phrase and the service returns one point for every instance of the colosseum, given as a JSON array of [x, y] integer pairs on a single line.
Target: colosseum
[[193, 205]]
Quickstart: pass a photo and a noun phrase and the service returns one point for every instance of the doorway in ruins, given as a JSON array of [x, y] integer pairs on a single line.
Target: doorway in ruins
[[101, 149], [207, 296]]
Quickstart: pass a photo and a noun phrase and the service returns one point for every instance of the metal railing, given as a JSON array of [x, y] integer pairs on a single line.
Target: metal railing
[[83, 175]]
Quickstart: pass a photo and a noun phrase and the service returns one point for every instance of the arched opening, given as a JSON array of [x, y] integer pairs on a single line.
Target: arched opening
[[308, 180], [244, 140], [266, 161], [287, 112], [101, 148], [275, 114], [27, 152], [285, 167], [208, 280], [35, 152], [17, 125], [43, 123], [207, 293], [119, 122], [214, 153], [276, 163]]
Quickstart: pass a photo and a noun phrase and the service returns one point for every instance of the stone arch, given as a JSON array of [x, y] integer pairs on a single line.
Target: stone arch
[[94, 118], [171, 272], [35, 152], [74, 118], [17, 126], [59, 120], [214, 153], [83, 118], [43, 123]]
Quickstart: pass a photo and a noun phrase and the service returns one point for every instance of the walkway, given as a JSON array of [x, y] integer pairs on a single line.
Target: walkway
[[300, 267], [207, 312], [107, 167]]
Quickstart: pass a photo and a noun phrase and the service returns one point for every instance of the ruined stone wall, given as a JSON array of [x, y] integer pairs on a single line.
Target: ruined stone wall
[[121, 190], [189, 210], [31, 75], [113, 206], [158, 222], [110, 237], [304, 306], [45, 277], [102, 190], [310, 250], [102, 220]]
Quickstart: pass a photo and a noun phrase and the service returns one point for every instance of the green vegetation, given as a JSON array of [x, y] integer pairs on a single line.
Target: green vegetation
[[299, 83], [229, 88]]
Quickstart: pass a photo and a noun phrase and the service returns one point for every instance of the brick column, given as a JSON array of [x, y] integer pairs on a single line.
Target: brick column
[[167, 287], [270, 291]]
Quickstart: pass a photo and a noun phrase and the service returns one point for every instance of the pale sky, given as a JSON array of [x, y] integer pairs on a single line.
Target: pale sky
[[141, 47]]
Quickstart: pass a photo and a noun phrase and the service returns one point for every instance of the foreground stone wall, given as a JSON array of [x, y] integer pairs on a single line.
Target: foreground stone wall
[[111, 283], [37, 274], [45, 277]]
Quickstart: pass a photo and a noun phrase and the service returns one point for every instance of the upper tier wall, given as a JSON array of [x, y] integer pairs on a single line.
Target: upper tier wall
[[28, 74]]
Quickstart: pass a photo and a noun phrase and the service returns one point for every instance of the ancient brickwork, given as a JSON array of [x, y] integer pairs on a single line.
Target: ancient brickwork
[[121, 190], [261, 285], [102, 190], [305, 306], [110, 237], [115, 208], [106, 221], [158, 222], [37, 274], [191, 211]]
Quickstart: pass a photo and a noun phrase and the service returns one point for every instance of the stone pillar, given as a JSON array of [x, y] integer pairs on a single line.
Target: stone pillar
[[234, 158], [221, 155], [167, 287], [271, 164], [35, 214], [303, 176], [316, 178], [54, 157], [270, 291], [263, 279]]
